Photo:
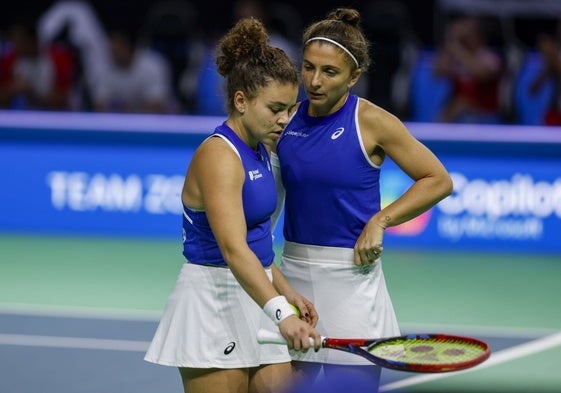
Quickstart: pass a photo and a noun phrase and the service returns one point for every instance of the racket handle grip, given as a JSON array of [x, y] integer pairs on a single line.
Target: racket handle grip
[[265, 336]]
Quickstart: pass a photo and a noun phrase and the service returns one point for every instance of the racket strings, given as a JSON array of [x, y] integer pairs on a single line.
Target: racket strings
[[429, 351]]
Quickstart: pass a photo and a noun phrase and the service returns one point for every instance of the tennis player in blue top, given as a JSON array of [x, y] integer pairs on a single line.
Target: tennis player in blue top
[[331, 153], [230, 287]]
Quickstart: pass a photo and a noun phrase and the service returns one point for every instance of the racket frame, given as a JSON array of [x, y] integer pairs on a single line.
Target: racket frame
[[362, 346]]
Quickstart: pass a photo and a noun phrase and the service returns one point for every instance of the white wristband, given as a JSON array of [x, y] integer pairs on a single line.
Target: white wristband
[[278, 309]]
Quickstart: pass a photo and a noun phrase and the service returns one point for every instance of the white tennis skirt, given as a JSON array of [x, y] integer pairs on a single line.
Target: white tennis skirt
[[210, 322], [351, 301]]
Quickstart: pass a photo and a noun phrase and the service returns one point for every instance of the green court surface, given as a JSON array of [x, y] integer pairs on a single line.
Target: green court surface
[[513, 300]]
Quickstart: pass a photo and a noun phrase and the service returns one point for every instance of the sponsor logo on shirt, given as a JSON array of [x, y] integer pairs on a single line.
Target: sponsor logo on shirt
[[254, 174], [338, 132], [298, 134]]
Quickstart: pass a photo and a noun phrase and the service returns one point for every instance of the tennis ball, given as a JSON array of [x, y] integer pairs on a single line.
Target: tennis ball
[[295, 310]]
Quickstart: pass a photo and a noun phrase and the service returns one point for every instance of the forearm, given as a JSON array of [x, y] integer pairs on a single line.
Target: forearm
[[420, 197], [307, 309], [280, 283], [251, 275]]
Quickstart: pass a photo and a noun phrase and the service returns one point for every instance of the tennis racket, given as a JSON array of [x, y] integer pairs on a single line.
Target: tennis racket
[[422, 353]]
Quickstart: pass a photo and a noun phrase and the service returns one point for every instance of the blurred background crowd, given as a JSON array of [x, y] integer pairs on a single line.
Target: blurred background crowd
[[456, 61]]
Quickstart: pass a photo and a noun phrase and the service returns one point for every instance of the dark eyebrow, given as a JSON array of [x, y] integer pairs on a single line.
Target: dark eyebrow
[[323, 67]]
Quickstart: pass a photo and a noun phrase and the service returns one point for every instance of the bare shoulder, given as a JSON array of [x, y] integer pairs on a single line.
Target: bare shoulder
[[375, 120], [215, 155], [214, 165], [215, 145]]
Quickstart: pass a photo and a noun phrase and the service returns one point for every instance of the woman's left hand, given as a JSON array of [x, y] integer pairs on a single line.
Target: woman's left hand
[[368, 247], [307, 310]]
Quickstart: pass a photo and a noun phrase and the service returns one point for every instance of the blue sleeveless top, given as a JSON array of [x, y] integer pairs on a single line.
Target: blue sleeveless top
[[259, 201], [332, 188]]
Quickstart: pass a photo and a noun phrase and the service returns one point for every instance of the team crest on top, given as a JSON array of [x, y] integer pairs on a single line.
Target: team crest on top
[[254, 174]]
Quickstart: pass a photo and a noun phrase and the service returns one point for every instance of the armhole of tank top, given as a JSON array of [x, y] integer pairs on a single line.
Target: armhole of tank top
[[229, 144], [359, 136], [187, 208], [186, 211]]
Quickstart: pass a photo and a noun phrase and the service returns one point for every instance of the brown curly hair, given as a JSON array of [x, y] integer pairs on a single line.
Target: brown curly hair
[[248, 62]]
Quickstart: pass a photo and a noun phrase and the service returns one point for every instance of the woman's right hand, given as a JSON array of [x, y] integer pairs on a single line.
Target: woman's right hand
[[298, 333]]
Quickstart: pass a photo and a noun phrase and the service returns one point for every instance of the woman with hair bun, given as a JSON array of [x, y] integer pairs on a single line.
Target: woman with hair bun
[[229, 286], [331, 154]]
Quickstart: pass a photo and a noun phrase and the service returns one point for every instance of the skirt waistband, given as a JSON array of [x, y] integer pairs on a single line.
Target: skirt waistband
[[319, 253]]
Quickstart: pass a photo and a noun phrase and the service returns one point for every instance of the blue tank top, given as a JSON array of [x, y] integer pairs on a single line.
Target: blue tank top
[[332, 188], [259, 201]]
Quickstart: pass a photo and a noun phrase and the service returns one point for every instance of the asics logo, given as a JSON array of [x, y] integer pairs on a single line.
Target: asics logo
[[278, 314], [338, 132], [229, 348]]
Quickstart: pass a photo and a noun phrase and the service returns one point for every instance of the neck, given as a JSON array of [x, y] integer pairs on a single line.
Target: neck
[[319, 111], [237, 126]]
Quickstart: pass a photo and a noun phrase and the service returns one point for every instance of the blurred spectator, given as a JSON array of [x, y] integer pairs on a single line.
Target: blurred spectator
[[387, 24], [137, 79], [172, 28], [474, 70], [279, 20], [76, 25], [549, 46], [282, 22], [33, 76], [210, 86]]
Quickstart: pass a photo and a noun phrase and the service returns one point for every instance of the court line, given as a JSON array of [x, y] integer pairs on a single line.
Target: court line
[[506, 355], [119, 314], [503, 356], [123, 314], [73, 342]]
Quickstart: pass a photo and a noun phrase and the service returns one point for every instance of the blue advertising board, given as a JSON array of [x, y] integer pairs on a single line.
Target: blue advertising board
[[121, 175], [95, 174], [498, 204], [507, 190]]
